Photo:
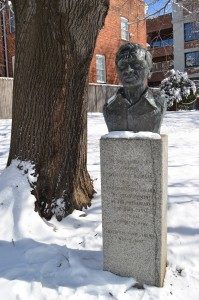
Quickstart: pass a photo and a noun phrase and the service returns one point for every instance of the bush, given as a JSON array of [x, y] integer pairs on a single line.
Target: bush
[[179, 90]]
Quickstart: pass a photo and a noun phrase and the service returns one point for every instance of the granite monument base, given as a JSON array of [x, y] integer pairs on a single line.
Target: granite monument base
[[134, 205]]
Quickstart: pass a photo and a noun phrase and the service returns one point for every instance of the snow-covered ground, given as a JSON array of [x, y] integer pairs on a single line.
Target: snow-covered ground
[[51, 260]]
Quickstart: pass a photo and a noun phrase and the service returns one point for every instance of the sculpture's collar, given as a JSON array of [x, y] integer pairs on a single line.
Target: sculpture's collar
[[146, 99], [148, 96]]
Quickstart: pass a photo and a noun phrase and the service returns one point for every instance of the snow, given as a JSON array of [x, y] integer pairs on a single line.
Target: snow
[[131, 135], [58, 207], [63, 260]]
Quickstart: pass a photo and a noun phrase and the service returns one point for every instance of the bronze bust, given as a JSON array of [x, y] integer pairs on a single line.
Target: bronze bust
[[134, 107]]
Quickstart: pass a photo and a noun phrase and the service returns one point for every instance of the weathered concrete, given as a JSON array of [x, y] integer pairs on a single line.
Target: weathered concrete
[[134, 205]]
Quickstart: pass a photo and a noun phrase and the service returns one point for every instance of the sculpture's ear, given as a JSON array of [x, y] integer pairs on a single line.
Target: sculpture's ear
[[149, 61]]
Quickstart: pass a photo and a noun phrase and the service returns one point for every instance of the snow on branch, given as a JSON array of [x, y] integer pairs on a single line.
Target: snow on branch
[[177, 87]]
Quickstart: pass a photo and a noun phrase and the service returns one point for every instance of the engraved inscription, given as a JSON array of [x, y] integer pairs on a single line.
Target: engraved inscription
[[130, 197], [135, 172], [129, 235], [130, 188], [122, 160]]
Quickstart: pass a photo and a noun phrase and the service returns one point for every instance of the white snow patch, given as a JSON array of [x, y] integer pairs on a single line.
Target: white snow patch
[[131, 135], [58, 207], [15, 198], [63, 260]]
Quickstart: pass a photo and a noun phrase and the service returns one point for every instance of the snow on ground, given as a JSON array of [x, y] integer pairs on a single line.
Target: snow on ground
[[51, 260]]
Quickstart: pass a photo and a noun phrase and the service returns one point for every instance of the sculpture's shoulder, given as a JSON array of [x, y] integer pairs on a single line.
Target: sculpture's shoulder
[[115, 112], [159, 98]]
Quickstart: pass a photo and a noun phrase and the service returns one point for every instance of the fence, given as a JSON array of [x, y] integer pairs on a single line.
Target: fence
[[97, 95], [6, 85]]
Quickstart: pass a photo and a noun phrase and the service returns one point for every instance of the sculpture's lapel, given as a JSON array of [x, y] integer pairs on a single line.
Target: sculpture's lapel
[[148, 97], [145, 105]]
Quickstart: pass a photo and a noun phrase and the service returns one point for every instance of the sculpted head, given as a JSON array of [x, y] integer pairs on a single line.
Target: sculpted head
[[134, 64]]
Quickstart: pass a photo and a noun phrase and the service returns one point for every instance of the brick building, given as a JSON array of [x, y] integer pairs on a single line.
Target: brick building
[[160, 39], [174, 41], [7, 42], [124, 22]]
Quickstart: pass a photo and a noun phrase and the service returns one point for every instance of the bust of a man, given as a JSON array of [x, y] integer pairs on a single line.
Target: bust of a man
[[134, 107]]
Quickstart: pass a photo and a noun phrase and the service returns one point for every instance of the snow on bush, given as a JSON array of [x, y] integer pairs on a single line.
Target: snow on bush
[[177, 87]]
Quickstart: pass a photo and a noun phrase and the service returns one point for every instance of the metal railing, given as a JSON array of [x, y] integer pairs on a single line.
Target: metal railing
[[162, 66]]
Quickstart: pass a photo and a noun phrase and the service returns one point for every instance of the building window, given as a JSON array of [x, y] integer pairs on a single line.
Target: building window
[[12, 21], [124, 29], [191, 31], [192, 59], [101, 68], [162, 43]]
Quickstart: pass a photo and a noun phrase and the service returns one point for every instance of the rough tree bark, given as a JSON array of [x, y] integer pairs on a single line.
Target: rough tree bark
[[55, 40]]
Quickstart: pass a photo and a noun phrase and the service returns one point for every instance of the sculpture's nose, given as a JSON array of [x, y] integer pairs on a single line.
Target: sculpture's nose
[[129, 70]]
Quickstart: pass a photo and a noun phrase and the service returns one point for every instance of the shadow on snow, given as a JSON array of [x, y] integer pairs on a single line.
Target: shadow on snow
[[54, 265]]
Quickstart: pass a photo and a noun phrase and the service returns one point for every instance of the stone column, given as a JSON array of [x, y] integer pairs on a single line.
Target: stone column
[[134, 205]]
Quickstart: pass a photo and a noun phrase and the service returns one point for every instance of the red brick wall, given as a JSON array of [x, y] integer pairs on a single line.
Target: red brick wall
[[11, 49], [159, 23], [10, 38], [162, 52], [109, 38], [2, 71], [192, 70], [191, 44], [156, 77], [108, 41], [190, 6]]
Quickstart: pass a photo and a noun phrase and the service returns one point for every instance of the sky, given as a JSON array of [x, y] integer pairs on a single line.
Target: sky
[[155, 5]]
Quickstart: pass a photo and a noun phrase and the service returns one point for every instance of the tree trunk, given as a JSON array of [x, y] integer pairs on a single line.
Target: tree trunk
[[55, 40]]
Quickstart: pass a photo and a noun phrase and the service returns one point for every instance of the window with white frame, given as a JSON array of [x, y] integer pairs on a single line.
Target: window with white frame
[[101, 68], [124, 29]]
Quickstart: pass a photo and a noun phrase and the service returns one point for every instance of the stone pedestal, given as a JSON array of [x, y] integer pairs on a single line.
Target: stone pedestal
[[134, 206]]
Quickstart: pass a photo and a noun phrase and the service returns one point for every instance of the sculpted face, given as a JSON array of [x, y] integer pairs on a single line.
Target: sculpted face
[[133, 68]]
